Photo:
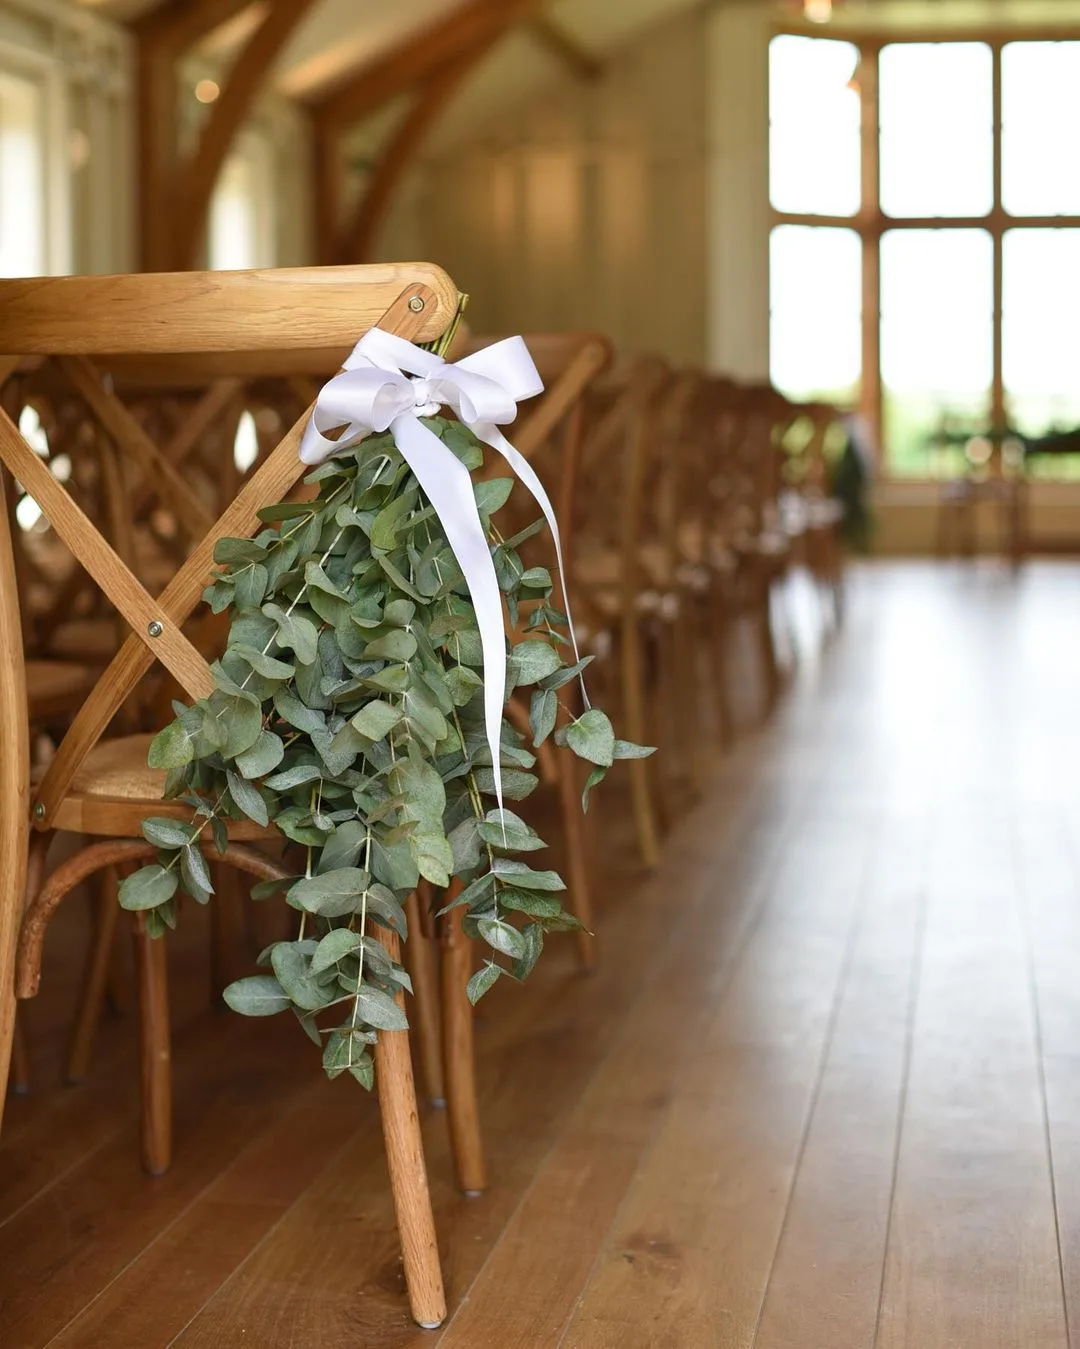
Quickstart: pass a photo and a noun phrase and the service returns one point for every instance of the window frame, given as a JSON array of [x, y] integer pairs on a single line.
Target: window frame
[[870, 222]]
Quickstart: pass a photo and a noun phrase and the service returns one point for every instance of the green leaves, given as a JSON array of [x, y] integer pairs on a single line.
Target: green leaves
[[376, 719], [172, 747], [510, 832], [532, 660], [247, 799], [335, 946], [378, 1009], [332, 894], [543, 709], [166, 833], [258, 995], [263, 757], [148, 887], [591, 737], [294, 632], [481, 981], [348, 713]]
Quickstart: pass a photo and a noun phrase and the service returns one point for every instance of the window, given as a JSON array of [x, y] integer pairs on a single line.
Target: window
[[242, 225], [815, 278], [23, 201], [973, 192]]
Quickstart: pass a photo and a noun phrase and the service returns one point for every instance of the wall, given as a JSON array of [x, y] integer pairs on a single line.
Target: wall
[[737, 128], [584, 206]]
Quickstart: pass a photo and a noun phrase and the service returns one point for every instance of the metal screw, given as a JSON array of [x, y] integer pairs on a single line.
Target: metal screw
[[155, 629], [416, 304], [39, 811]]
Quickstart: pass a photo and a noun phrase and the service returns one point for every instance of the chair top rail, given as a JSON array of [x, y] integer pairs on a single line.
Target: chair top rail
[[210, 312]]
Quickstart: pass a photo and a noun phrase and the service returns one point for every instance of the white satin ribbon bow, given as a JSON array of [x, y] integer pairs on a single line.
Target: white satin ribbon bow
[[388, 384]]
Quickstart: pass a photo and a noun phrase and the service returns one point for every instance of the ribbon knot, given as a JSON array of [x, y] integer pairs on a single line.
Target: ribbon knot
[[388, 384]]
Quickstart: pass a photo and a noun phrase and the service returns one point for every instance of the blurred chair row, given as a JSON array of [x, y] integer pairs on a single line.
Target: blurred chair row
[[159, 414]]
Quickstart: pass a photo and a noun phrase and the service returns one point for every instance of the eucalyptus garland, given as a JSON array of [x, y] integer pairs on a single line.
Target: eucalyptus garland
[[348, 713]]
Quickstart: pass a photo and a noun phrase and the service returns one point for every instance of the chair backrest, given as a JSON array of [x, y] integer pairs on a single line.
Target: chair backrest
[[549, 429], [79, 317]]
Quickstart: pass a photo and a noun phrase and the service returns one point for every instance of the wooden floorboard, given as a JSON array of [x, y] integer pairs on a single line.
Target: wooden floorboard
[[822, 1093]]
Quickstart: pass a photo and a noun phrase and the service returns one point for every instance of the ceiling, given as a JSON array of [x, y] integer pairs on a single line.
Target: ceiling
[[339, 37]]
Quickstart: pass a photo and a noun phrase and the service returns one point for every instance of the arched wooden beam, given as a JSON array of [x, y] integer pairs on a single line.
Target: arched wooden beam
[[417, 58], [355, 244], [179, 24], [357, 239], [564, 47], [199, 174]]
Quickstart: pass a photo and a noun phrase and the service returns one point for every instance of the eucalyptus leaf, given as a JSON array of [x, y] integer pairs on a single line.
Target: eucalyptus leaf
[[335, 946], [248, 800], [591, 737], [257, 995], [481, 981], [378, 1009], [166, 833], [148, 887], [263, 757]]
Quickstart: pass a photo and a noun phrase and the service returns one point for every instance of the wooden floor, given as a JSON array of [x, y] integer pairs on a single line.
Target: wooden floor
[[823, 1094]]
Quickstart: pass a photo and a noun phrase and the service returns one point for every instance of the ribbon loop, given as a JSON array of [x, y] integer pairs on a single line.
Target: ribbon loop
[[389, 383]]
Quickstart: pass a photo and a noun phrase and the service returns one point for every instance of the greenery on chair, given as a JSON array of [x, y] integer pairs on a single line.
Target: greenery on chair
[[348, 714]]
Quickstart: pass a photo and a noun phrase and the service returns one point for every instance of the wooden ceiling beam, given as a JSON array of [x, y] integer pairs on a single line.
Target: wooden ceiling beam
[[357, 240], [227, 114], [559, 42], [179, 24], [417, 58], [398, 153]]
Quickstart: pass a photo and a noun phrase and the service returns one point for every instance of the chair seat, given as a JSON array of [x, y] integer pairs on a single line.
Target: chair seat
[[54, 687], [114, 790]]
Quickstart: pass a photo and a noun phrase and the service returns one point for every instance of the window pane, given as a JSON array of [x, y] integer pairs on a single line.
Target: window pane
[[23, 228], [1040, 333], [936, 109], [815, 280], [814, 121], [936, 339], [241, 224], [1040, 115]]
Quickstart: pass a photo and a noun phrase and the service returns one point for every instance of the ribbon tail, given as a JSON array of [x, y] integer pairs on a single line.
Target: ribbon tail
[[491, 435], [447, 484]]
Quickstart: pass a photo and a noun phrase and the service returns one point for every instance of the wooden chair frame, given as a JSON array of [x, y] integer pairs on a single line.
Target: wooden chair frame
[[212, 312]]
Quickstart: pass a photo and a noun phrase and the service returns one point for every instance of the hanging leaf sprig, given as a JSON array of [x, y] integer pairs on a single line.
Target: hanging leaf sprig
[[347, 714]]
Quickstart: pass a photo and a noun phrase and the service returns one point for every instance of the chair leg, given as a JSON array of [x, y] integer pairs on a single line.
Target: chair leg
[[19, 1076], [229, 930], [577, 858], [640, 778], [92, 999], [721, 669], [408, 1175], [421, 960], [767, 647], [459, 1063], [155, 1054], [22, 865]]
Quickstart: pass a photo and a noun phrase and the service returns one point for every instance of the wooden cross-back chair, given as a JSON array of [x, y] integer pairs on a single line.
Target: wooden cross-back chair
[[746, 544], [810, 514], [103, 788], [613, 531], [549, 433]]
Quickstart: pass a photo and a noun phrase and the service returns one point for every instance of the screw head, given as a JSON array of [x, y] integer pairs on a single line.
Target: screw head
[[39, 811], [155, 629], [416, 304]]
